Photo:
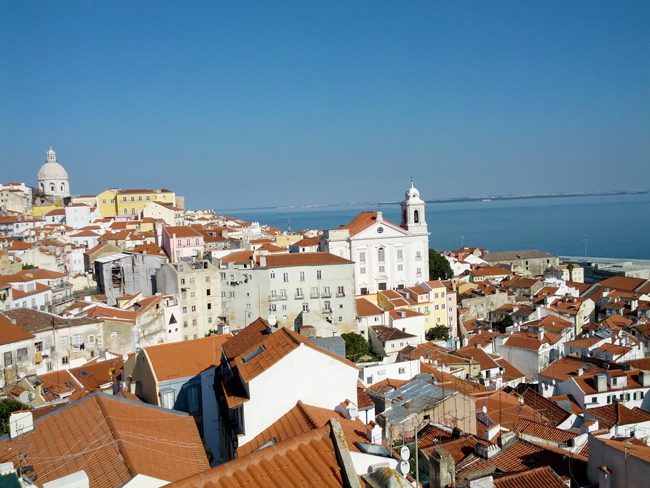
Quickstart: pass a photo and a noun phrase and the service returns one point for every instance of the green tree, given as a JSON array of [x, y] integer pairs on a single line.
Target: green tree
[[29, 266], [356, 346], [439, 268], [7, 406], [439, 333]]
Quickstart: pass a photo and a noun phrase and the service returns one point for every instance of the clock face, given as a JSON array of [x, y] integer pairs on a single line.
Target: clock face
[[380, 230]]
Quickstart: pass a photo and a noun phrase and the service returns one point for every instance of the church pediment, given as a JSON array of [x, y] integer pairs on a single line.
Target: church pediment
[[381, 230]]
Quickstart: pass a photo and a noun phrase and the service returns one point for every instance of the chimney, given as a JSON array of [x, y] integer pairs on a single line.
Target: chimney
[[601, 382], [580, 371], [442, 468], [20, 422], [540, 333]]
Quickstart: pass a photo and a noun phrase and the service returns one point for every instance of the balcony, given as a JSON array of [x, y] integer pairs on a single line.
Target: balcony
[[326, 294], [340, 294], [326, 311], [299, 296], [313, 295]]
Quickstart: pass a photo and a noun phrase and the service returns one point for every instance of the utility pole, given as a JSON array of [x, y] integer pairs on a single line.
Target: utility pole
[[585, 242]]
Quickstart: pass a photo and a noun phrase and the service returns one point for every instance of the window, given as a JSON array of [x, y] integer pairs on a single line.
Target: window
[[401, 370], [302, 276], [400, 254], [76, 340], [319, 274], [21, 355], [327, 305], [381, 255], [273, 307], [209, 306], [38, 346], [168, 398], [8, 359], [314, 292], [193, 308], [222, 275], [362, 257], [326, 292], [298, 292], [185, 323], [183, 280], [418, 272], [285, 277], [65, 360], [283, 294], [64, 341], [272, 274], [363, 270], [418, 255], [207, 279], [207, 292], [305, 307], [400, 267], [340, 291], [193, 396], [382, 269], [184, 309]]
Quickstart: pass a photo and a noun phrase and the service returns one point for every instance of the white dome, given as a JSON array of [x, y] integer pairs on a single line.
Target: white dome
[[52, 171]]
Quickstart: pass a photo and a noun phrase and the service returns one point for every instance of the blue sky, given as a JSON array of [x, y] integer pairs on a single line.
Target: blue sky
[[240, 104]]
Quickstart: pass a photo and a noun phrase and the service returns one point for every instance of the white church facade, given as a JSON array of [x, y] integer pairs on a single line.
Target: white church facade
[[386, 255], [53, 178]]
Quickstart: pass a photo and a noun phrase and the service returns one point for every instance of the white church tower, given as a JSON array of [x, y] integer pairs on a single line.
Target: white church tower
[[53, 178], [413, 213]]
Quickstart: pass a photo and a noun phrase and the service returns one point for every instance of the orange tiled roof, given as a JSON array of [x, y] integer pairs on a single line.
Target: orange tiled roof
[[112, 440], [300, 419], [365, 308], [514, 459], [186, 358], [9, 332], [544, 476], [618, 414], [306, 460], [303, 259], [181, 231], [624, 283], [480, 356]]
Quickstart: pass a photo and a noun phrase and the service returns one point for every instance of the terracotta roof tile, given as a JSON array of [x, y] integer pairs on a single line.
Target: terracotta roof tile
[[9, 332], [303, 259], [306, 460], [187, 358], [366, 308], [300, 419], [112, 440], [544, 476]]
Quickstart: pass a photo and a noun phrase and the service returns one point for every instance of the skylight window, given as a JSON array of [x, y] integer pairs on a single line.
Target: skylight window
[[253, 354]]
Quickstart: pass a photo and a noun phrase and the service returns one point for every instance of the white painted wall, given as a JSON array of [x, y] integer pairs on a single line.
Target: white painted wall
[[304, 374]]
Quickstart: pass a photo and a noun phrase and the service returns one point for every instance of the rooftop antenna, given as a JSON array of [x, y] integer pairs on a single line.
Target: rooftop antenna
[[289, 226]]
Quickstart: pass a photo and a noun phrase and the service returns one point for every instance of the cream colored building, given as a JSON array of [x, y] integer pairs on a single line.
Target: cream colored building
[[197, 285]]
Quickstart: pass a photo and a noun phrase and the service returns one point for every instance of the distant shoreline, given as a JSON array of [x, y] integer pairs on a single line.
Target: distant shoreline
[[448, 200]]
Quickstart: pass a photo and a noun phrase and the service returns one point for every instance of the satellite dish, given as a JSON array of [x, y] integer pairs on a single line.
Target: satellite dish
[[272, 320], [403, 468], [405, 453], [484, 409]]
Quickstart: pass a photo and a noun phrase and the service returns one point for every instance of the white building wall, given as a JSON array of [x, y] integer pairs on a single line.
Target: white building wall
[[304, 374]]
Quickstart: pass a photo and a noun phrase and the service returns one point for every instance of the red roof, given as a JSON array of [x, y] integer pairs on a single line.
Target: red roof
[[10, 333]]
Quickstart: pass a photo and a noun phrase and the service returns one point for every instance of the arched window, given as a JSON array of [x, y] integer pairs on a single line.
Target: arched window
[[381, 255], [416, 216], [42, 187], [52, 187], [62, 187]]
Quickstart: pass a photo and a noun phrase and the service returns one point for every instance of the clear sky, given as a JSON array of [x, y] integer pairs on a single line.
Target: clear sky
[[240, 104]]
